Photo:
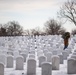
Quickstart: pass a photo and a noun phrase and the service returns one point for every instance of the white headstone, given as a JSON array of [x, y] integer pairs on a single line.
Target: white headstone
[[64, 55], [16, 54], [55, 62], [3, 59], [69, 51], [71, 66], [31, 56], [45, 52], [73, 56], [24, 56], [48, 56], [10, 53], [31, 66], [74, 53], [19, 63], [61, 58], [41, 60], [46, 68], [39, 53], [54, 52], [10, 61], [1, 69], [32, 52]]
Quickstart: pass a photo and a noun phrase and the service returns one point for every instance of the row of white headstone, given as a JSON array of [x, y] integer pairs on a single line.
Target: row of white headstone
[[31, 67], [54, 60], [46, 65], [20, 43], [71, 63], [47, 60], [9, 61]]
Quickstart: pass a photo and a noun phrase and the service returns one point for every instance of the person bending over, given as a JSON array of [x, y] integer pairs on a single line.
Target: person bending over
[[66, 37]]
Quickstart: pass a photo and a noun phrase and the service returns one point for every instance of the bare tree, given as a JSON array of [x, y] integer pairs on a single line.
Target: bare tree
[[14, 29], [3, 32], [68, 11], [36, 31], [62, 31], [27, 32], [53, 27]]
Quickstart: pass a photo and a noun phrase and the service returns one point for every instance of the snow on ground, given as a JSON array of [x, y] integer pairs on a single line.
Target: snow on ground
[[61, 71]]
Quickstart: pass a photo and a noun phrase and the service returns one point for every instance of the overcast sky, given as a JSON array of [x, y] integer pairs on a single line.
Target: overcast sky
[[30, 13]]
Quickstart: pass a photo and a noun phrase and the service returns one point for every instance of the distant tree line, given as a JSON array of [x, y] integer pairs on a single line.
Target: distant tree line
[[51, 27], [13, 28]]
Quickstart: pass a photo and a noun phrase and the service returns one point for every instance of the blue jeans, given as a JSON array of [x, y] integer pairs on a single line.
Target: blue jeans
[[65, 47]]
